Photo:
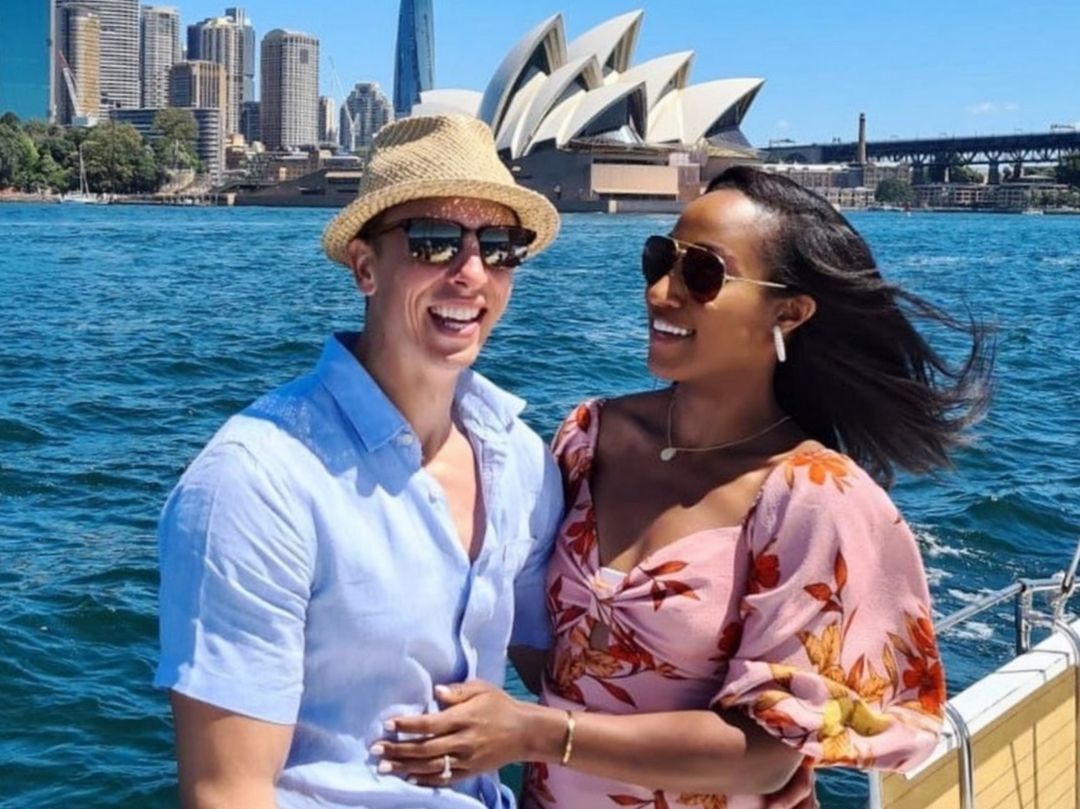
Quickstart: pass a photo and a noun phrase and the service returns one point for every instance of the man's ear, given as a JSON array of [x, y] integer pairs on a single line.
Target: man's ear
[[361, 260], [795, 311]]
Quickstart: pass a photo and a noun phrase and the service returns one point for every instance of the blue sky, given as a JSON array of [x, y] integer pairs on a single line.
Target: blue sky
[[917, 68]]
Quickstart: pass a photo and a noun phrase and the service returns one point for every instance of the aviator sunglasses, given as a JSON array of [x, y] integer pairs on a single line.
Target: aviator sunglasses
[[703, 272], [438, 241]]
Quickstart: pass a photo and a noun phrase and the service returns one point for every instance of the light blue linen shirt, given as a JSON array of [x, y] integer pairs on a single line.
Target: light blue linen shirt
[[311, 574]]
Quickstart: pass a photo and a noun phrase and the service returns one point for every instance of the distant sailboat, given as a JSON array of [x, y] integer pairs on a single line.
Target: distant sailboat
[[83, 195]]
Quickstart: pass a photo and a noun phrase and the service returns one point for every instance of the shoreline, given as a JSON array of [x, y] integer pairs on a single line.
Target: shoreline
[[222, 200]]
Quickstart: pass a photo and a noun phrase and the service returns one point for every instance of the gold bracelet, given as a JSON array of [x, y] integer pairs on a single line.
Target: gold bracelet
[[568, 741]]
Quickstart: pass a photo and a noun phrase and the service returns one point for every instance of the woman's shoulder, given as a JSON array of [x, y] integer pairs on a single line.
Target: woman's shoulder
[[815, 476], [619, 413]]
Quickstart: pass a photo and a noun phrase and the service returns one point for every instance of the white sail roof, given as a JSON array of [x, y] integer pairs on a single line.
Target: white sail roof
[[612, 42], [693, 114], [543, 49], [594, 104], [576, 78], [661, 75], [546, 92]]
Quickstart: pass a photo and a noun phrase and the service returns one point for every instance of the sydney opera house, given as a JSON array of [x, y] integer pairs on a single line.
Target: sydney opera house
[[581, 122]]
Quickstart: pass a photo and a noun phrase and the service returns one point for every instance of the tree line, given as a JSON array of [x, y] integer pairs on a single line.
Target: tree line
[[40, 157]]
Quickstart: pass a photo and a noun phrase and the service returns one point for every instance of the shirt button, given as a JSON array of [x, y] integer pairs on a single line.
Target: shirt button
[[405, 440]]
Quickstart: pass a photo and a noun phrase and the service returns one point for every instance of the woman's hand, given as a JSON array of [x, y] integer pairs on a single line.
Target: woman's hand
[[481, 729]]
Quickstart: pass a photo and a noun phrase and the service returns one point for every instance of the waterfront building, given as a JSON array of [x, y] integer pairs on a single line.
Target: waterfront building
[[849, 185], [209, 142], [548, 93], [221, 40], [414, 60], [250, 126], [159, 50], [558, 109], [198, 84], [365, 112], [290, 90], [78, 79], [26, 62], [327, 131], [119, 49]]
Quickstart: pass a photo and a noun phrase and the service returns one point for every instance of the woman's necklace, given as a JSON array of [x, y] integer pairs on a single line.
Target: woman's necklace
[[670, 451]]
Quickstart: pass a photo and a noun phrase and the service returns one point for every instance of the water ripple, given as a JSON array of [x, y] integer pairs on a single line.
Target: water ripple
[[131, 334]]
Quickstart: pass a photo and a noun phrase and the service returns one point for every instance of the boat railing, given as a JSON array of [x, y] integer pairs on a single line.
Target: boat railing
[[1057, 589]]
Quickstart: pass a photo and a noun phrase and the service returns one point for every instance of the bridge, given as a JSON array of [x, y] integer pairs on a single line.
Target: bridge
[[931, 158]]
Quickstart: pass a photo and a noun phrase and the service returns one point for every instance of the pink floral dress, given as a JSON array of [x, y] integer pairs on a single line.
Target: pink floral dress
[[812, 616]]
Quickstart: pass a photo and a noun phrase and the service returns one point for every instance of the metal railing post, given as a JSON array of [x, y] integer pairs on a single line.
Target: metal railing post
[[964, 757]]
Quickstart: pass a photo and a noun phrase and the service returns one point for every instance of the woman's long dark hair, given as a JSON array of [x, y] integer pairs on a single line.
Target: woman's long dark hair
[[859, 377]]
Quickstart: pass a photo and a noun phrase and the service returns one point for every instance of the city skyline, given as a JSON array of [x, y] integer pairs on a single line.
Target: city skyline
[[818, 76], [996, 73]]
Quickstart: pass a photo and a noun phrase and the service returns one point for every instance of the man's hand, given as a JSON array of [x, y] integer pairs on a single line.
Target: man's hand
[[226, 760], [481, 729]]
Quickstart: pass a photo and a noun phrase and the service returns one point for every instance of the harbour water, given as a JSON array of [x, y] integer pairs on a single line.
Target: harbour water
[[129, 334]]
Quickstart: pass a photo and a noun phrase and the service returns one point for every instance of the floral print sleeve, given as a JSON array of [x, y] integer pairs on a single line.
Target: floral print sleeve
[[572, 447], [836, 655]]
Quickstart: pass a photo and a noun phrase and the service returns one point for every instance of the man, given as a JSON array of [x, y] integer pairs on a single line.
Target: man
[[377, 527]]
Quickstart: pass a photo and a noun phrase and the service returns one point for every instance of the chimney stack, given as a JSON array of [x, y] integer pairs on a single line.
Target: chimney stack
[[860, 153]]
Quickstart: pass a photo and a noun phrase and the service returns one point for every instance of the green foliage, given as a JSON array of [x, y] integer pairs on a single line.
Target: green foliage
[[49, 174], [965, 174], [176, 124], [36, 156], [118, 161], [175, 147], [894, 191], [18, 155], [1068, 171]]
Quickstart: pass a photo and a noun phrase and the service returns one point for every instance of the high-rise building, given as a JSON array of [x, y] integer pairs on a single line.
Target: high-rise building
[[221, 40], [364, 113], [26, 63], [198, 84], [119, 22], [290, 90], [414, 63], [159, 50], [327, 130], [247, 52], [250, 126], [78, 83], [193, 48]]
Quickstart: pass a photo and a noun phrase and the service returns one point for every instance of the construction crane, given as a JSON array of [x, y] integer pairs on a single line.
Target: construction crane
[[344, 102], [79, 116]]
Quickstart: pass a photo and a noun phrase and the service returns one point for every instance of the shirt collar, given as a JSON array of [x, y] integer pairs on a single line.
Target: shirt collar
[[483, 407]]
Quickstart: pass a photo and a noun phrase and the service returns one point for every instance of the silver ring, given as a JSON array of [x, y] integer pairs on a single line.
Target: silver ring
[[446, 773]]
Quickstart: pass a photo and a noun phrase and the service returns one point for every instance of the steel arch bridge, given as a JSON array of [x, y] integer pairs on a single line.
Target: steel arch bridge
[[939, 153]]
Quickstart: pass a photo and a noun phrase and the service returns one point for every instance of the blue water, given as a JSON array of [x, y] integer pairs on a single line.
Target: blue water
[[130, 334]]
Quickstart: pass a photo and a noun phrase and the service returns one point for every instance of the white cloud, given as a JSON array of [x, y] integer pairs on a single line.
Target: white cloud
[[991, 107]]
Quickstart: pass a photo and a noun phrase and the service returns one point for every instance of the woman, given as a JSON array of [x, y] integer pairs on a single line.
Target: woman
[[732, 596]]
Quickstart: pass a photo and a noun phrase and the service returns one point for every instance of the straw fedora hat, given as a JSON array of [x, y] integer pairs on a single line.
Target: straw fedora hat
[[437, 156]]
